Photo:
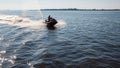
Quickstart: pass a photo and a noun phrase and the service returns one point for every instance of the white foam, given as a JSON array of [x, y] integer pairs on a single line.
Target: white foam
[[2, 52], [26, 22]]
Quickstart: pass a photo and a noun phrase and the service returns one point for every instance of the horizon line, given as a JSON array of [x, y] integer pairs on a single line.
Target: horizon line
[[68, 9]]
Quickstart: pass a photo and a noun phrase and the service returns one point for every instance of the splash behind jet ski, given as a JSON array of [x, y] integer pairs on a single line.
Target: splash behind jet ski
[[51, 22]]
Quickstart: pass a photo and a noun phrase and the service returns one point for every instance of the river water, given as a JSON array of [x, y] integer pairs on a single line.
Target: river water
[[90, 39]]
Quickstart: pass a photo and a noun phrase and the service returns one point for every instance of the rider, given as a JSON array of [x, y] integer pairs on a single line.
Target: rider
[[49, 17]]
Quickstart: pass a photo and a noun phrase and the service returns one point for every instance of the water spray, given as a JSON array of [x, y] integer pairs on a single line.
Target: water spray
[[41, 14], [27, 5]]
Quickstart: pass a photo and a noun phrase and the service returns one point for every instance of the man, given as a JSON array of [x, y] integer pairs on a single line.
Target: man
[[49, 18], [51, 21]]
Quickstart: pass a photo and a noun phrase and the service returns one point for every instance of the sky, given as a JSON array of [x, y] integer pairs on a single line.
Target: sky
[[43, 4]]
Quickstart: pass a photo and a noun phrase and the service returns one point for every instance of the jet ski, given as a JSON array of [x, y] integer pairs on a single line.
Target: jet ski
[[51, 22]]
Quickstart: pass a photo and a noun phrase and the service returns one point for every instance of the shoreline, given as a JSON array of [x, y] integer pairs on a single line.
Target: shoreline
[[74, 9], [66, 9]]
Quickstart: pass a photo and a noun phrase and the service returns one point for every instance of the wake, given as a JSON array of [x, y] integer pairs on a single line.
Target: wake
[[14, 20]]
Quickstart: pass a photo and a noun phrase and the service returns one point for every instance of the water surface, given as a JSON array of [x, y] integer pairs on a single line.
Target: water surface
[[91, 39]]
